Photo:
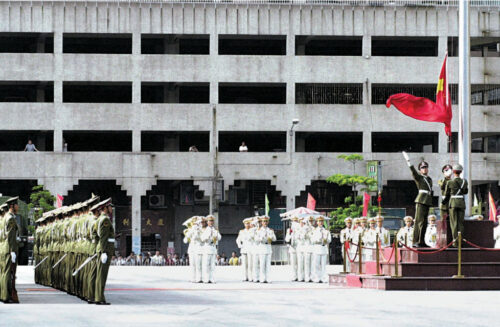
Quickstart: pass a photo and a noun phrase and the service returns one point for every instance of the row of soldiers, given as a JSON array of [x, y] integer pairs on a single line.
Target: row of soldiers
[[308, 244], [73, 249], [9, 250]]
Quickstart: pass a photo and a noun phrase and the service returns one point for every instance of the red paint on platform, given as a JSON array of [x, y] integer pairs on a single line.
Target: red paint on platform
[[371, 268], [353, 281]]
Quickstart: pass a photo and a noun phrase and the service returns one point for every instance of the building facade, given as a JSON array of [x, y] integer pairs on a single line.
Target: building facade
[[114, 94]]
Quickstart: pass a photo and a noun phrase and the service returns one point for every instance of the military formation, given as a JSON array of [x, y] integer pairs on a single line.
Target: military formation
[[308, 245], [8, 250], [73, 249]]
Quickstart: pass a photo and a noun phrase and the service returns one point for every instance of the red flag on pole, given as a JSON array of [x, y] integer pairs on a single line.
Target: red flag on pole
[[425, 109], [60, 199], [311, 203], [493, 208], [366, 203]]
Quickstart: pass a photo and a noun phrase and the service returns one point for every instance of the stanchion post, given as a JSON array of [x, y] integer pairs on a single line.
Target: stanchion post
[[406, 239], [360, 255], [345, 257], [459, 274], [377, 256], [396, 260]]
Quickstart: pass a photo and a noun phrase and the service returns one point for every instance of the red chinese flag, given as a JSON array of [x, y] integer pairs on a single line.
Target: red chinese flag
[[60, 199], [366, 203], [311, 203], [493, 208], [425, 109]]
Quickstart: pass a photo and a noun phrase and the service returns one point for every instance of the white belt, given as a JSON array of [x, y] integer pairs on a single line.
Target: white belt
[[111, 240], [457, 196], [423, 191], [444, 197]]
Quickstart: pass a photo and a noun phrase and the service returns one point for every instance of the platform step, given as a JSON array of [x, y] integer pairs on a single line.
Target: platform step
[[450, 255], [443, 269]]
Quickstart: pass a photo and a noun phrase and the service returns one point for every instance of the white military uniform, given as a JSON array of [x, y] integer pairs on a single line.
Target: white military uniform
[[291, 239], [383, 236], [408, 233], [209, 237], [194, 251], [245, 242], [320, 238], [264, 236], [355, 239], [369, 243], [431, 235], [496, 236], [346, 236], [302, 252]]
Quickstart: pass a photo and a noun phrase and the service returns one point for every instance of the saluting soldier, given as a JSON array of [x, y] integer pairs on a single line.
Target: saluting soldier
[[9, 250], [423, 201], [454, 198]]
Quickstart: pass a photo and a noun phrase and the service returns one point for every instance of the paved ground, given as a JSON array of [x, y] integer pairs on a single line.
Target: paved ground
[[160, 296]]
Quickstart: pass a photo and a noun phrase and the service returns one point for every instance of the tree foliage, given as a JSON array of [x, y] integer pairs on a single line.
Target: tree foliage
[[40, 201]]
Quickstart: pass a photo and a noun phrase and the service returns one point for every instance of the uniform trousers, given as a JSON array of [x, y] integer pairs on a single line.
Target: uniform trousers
[[319, 273], [247, 267], [208, 267], [265, 267], [421, 213], [293, 263]]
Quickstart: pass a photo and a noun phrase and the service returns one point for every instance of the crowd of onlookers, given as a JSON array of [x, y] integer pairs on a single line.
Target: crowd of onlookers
[[147, 259]]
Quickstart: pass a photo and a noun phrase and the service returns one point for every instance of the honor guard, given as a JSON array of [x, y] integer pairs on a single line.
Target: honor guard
[[321, 238], [9, 252], [264, 237], [308, 262], [210, 237], [431, 232], [369, 240], [454, 198], [302, 234], [245, 241], [447, 171], [291, 239], [423, 201], [383, 234], [405, 234], [192, 238], [346, 236]]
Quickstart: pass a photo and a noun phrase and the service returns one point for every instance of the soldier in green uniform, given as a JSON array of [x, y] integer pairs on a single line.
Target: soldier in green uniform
[[447, 171], [3, 212], [105, 248], [454, 198], [9, 252], [423, 201]]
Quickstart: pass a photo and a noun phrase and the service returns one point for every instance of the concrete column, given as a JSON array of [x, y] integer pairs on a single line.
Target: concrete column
[[136, 90], [442, 142], [290, 202], [367, 142], [214, 43], [58, 91], [367, 46], [136, 222], [442, 46]]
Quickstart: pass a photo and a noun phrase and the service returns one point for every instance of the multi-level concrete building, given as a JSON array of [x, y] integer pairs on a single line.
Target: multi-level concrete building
[[114, 93]]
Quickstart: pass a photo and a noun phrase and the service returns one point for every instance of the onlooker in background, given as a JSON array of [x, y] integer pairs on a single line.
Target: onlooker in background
[[223, 258], [147, 259], [138, 261], [30, 147], [65, 147], [193, 148], [157, 259], [176, 259], [131, 259], [243, 147], [218, 260], [170, 261], [121, 261], [234, 261], [113, 261]]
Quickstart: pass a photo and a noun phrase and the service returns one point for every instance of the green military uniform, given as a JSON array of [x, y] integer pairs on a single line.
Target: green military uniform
[[2, 245], [105, 250], [423, 203], [454, 198], [443, 208], [9, 252]]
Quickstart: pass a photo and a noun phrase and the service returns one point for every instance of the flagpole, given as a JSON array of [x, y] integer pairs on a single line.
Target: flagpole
[[464, 97]]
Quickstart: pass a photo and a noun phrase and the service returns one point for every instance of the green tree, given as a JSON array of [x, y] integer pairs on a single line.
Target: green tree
[[40, 201], [353, 204]]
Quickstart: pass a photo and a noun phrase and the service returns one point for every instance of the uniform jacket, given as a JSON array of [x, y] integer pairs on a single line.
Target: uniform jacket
[[245, 240], [408, 231], [454, 189], [264, 236], [320, 238], [106, 234], [431, 236], [442, 185], [424, 185], [209, 237]]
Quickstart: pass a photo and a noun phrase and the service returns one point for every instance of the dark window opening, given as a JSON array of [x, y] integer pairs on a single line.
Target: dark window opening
[[102, 187], [17, 140], [479, 46], [252, 45], [97, 43], [480, 142], [152, 92], [405, 141], [400, 194], [98, 141], [329, 142], [381, 92], [255, 141], [485, 94], [259, 93], [175, 141], [327, 195], [253, 193], [97, 92], [309, 45], [328, 93], [26, 42], [396, 46], [26, 91], [183, 44]]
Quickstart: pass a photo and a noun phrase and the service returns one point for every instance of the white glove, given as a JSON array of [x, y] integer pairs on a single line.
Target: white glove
[[104, 258], [13, 257], [406, 158]]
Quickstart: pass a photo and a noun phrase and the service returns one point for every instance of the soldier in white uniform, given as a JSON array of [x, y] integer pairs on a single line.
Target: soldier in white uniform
[[359, 231], [405, 234], [308, 262], [369, 240], [496, 234], [245, 241], [254, 251], [346, 236], [431, 232], [302, 243], [320, 238], [210, 237], [383, 234], [264, 236], [192, 237], [291, 239]]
